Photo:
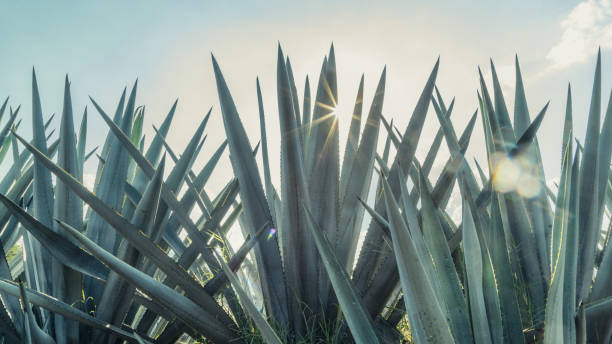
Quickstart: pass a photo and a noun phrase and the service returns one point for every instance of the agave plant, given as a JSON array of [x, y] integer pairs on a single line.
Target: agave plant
[[524, 264]]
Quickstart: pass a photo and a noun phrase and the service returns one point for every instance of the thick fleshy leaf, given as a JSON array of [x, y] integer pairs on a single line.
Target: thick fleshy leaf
[[81, 143], [264, 153], [254, 202], [352, 142], [425, 315], [43, 189], [173, 180], [395, 138], [190, 197], [109, 138], [508, 298], [322, 165], [528, 137], [11, 318], [189, 254], [117, 293], [441, 194], [3, 107], [61, 248], [501, 111], [264, 328], [411, 215], [4, 139], [306, 111], [489, 280], [554, 320], [371, 246], [178, 304], [135, 237], [356, 315], [359, 175], [474, 269], [219, 280], [521, 111], [111, 186], [67, 284], [197, 193], [155, 148], [299, 253], [589, 193], [603, 280], [294, 98], [571, 254], [33, 333], [450, 288], [500, 141], [538, 206]]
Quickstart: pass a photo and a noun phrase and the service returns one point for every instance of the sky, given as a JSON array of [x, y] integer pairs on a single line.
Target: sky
[[105, 46]]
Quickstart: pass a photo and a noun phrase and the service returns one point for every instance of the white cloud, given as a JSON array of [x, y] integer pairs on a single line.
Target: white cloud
[[586, 27]]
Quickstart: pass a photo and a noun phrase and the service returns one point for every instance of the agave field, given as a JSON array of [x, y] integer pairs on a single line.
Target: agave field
[[144, 256]]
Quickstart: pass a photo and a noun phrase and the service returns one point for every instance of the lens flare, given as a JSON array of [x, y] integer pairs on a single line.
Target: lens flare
[[515, 174], [272, 233]]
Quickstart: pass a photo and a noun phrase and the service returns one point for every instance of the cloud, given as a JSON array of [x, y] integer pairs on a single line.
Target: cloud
[[587, 26]]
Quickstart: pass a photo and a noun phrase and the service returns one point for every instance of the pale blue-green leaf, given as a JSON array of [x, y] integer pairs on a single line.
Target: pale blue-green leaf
[[352, 141], [67, 283], [109, 138], [10, 313], [254, 202], [167, 193], [589, 193], [601, 287], [322, 164], [513, 331], [294, 99], [306, 111], [528, 137], [155, 148], [135, 237], [184, 308], [43, 190], [427, 320], [554, 319], [501, 111], [3, 107], [117, 295], [371, 246], [450, 288], [359, 174], [110, 188], [132, 194], [81, 143], [356, 315], [189, 198], [473, 263], [61, 248], [298, 248], [571, 253], [521, 110], [262, 325]]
